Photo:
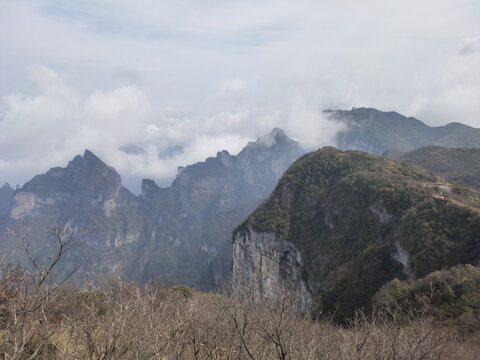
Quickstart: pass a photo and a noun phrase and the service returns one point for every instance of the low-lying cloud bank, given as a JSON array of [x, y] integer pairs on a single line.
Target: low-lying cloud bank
[[47, 130], [157, 76]]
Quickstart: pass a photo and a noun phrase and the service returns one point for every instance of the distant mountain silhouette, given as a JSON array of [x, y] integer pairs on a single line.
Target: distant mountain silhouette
[[376, 131]]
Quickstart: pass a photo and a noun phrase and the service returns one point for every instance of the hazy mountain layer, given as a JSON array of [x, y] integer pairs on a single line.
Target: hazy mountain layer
[[182, 232], [170, 233], [87, 193], [376, 131], [6, 195]]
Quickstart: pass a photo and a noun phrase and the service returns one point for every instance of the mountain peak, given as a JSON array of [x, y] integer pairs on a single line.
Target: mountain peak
[[92, 159], [278, 134], [88, 160], [89, 155], [6, 186], [320, 206], [277, 131], [83, 174], [276, 137], [455, 125], [148, 187]]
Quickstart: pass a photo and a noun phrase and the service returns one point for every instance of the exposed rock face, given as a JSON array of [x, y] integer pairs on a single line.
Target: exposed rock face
[[266, 269], [86, 182], [380, 212], [402, 256], [197, 213], [6, 195], [173, 233], [85, 193], [24, 203], [340, 224]]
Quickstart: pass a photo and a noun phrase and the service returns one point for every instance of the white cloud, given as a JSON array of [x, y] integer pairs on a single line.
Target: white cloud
[[214, 74], [471, 45], [232, 85], [47, 130], [450, 91]]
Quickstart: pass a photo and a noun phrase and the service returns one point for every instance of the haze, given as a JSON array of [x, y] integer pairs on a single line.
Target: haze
[[147, 76]]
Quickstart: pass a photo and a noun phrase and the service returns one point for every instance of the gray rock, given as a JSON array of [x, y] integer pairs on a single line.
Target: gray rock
[[266, 269]]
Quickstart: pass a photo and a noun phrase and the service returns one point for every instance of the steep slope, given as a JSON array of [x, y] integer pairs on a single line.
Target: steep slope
[[86, 193], [375, 131], [6, 196], [172, 233], [454, 165], [339, 225], [195, 216]]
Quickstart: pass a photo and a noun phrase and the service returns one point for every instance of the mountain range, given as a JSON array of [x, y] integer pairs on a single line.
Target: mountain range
[[182, 233], [376, 131], [171, 233]]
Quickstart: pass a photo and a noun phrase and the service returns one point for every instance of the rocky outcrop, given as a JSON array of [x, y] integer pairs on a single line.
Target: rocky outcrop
[[6, 195], [340, 224], [86, 180], [86, 193], [24, 203], [174, 232], [266, 269], [402, 256], [207, 200]]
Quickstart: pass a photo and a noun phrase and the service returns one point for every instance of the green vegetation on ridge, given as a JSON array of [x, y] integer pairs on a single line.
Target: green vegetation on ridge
[[454, 165], [349, 213]]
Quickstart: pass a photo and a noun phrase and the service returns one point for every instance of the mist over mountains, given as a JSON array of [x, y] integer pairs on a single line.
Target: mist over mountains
[[170, 233], [376, 131], [182, 233], [189, 180]]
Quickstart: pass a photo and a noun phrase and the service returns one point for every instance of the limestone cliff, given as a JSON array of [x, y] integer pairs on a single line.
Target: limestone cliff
[[86, 193], [6, 195], [265, 268], [339, 225], [180, 233], [194, 217]]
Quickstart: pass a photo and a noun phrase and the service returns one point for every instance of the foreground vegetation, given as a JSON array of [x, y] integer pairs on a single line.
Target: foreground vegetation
[[451, 296], [45, 319], [125, 321]]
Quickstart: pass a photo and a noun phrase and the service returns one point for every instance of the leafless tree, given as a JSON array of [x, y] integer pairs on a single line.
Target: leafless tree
[[26, 317]]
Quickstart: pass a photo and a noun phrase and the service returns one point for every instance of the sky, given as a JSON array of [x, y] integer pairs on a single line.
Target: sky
[[208, 75]]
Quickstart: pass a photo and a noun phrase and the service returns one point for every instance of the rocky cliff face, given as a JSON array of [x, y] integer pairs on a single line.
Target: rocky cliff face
[[339, 225], [86, 193], [207, 200], [86, 179], [268, 269], [173, 233], [6, 196]]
